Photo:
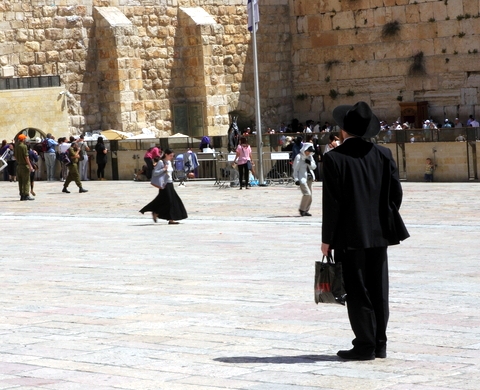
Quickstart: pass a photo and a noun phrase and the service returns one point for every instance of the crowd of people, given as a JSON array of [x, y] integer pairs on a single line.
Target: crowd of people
[[69, 156]]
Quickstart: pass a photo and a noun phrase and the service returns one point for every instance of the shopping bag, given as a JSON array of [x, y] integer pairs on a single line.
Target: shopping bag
[[329, 286]]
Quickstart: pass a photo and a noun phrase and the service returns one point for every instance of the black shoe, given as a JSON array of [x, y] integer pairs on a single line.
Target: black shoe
[[352, 355], [28, 198], [22, 197], [302, 213], [82, 190], [306, 214], [65, 190]]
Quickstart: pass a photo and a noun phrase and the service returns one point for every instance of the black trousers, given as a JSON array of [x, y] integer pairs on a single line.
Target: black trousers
[[243, 173], [365, 272], [149, 164]]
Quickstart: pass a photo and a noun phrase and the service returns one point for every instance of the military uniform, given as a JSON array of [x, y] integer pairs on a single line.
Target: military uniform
[[23, 170], [73, 174]]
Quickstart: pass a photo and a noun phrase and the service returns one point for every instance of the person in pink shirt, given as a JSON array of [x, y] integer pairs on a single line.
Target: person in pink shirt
[[243, 159], [151, 157]]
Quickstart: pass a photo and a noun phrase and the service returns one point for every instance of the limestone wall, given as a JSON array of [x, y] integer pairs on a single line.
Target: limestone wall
[[338, 46], [308, 51], [130, 79], [41, 109]]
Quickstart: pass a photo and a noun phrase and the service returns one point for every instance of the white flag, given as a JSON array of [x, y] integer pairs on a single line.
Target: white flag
[[253, 14]]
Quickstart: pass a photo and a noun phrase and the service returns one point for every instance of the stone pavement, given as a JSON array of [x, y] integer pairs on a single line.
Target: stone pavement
[[96, 296]]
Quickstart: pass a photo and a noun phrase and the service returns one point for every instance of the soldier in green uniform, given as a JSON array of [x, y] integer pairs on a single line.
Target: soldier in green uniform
[[24, 167], [73, 174]]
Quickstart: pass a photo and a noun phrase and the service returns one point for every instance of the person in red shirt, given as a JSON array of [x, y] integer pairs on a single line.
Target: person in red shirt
[[151, 156]]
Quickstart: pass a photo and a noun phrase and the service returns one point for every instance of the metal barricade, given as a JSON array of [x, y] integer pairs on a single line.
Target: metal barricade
[[226, 174], [278, 169], [3, 160], [207, 166]]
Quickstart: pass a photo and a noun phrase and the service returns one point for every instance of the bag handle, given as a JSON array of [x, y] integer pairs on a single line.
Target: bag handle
[[329, 259]]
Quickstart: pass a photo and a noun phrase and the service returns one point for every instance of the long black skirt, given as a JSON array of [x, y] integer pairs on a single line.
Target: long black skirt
[[167, 205]]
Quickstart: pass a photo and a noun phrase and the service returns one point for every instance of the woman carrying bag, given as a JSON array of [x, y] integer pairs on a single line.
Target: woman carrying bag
[[167, 205]]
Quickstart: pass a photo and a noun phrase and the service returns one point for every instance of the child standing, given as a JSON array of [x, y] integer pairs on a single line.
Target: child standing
[[429, 168]]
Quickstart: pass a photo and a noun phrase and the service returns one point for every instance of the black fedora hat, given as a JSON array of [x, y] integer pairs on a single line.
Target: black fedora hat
[[357, 120]]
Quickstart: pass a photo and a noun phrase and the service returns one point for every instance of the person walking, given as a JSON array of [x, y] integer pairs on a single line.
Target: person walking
[[167, 205], [24, 167], [243, 159], [361, 198], [83, 162], [73, 174], [303, 173], [101, 158], [50, 156]]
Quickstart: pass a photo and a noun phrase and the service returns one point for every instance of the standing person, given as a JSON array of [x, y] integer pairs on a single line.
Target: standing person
[[63, 147], [50, 156], [303, 167], [24, 167], [244, 161], [332, 143], [151, 156], [297, 145], [429, 168], [83, 163], [167, 205], [33, 156], [101, 158], [73, 174], [11, 163], [361, 198]]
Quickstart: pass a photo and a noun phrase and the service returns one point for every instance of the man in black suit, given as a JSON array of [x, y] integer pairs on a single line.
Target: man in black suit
[[361, 198]]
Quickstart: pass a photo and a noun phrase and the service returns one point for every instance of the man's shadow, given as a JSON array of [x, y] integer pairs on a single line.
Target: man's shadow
[[278, 359]]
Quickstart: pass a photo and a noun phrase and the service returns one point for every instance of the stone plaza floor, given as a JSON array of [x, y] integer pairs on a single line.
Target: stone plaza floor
[[95, 296]]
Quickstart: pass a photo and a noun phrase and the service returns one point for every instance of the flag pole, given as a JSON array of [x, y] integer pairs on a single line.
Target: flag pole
[[261, 181]]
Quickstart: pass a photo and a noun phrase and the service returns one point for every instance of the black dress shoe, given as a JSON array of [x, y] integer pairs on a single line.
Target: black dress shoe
[[82, 190], [65, 190], [353, 355], [27, 197], [306, 214]]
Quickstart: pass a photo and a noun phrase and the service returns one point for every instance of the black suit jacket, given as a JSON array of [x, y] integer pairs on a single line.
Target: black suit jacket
[[361, 197]]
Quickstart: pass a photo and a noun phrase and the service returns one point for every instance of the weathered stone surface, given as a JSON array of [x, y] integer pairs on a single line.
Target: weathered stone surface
[[206, 42]]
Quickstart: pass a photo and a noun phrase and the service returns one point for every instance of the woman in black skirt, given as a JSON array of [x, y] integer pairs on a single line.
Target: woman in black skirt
[[167, 205]]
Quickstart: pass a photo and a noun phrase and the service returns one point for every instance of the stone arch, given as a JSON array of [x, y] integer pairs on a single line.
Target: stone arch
[[32, 133]]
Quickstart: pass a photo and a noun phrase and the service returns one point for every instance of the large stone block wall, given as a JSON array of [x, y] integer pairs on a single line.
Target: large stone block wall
[[62, 37], [306, 49], [338, 46]]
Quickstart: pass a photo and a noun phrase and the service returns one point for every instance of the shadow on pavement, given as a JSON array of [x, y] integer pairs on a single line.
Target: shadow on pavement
[[278, 359]]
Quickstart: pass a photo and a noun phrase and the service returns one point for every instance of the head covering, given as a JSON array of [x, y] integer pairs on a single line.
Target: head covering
[[22, 137], [307, 147], [357, 120]]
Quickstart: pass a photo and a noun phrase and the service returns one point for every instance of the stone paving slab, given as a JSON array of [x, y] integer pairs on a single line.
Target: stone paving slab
[[97, 296]]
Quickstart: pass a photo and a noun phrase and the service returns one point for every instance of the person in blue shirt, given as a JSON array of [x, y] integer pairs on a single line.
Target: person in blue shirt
[[50, 156]]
